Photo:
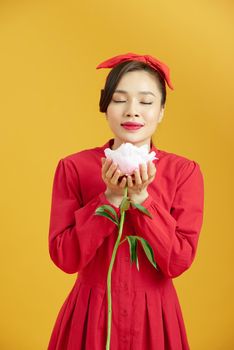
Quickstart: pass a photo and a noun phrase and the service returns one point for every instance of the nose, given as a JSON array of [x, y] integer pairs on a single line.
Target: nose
[[131, 109]]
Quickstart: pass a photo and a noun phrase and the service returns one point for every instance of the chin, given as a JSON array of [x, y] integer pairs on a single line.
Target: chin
[[135, 141], [131, 139]]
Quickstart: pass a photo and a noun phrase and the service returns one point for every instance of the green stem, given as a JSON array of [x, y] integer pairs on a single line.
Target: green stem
[[109, 302], [122, 241]]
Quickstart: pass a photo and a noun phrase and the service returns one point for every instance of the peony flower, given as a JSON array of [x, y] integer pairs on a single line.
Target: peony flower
[[129, 157]]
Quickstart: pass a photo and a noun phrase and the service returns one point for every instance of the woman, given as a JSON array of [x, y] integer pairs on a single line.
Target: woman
[[146, 313]]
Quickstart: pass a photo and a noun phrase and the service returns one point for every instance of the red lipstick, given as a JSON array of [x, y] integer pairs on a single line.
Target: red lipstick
[[132, 125]]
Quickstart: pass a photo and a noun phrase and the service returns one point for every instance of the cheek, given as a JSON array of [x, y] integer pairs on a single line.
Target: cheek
[[112, 111], [152, 116], [112, 118]]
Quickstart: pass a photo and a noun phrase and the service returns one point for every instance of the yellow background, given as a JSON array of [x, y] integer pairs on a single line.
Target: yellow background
[[49, 108]]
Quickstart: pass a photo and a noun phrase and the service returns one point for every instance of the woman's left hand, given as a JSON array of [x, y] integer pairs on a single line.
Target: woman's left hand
[[138, 182]]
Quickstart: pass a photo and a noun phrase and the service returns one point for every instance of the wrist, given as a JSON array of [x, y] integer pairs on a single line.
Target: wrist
[[113, 198], [139, 198]]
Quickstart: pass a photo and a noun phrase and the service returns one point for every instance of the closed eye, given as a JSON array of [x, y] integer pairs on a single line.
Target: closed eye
[[144, 103]]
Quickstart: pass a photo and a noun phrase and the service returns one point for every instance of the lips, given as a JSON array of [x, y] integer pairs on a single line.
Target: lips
[[132, 126]]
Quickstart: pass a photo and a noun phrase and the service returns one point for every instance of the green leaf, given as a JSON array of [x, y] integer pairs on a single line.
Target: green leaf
[[148, 251], [137, 262], [142, 209], [133, 249], [124, 204], [132, 245], [100, 211], [107, 216], [109, 208]]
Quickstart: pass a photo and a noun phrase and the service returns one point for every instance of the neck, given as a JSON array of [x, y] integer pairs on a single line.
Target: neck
[[117, 143]]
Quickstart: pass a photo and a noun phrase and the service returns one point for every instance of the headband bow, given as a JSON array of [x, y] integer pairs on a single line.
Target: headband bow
[[157, 65]]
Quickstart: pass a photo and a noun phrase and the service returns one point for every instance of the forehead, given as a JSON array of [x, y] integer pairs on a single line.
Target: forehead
[[139, 81]]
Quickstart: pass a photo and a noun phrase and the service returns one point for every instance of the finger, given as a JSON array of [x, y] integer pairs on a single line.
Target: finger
[[105, 165], [115, 177], [130, 182], [143, 172], [111, 170], [152, 169], [137, 177], [103, 159], [123, 182]]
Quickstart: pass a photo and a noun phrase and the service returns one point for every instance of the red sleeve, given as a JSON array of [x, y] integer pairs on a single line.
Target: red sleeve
[[174, 235], [75, 233]]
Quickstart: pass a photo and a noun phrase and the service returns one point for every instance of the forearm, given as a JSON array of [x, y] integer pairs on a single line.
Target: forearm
[[113, 198]]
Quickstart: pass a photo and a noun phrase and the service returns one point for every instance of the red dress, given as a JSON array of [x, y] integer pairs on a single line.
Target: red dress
[[146, 313]]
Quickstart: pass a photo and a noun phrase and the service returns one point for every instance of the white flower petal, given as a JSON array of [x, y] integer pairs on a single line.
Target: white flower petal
[[129, 157]]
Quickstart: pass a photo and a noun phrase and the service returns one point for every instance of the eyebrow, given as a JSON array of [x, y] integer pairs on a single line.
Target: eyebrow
[[140, 92]]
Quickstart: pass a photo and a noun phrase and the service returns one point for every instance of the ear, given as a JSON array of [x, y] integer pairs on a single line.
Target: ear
[[161, 114]]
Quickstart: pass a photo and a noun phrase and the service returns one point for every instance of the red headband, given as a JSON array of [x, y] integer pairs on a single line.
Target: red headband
[[157, 65]]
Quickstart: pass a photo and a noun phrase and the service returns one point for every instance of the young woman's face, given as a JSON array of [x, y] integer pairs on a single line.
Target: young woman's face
[[139, 101]]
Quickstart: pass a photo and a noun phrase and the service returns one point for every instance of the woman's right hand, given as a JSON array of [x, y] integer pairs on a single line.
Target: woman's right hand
[[115, 181]]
